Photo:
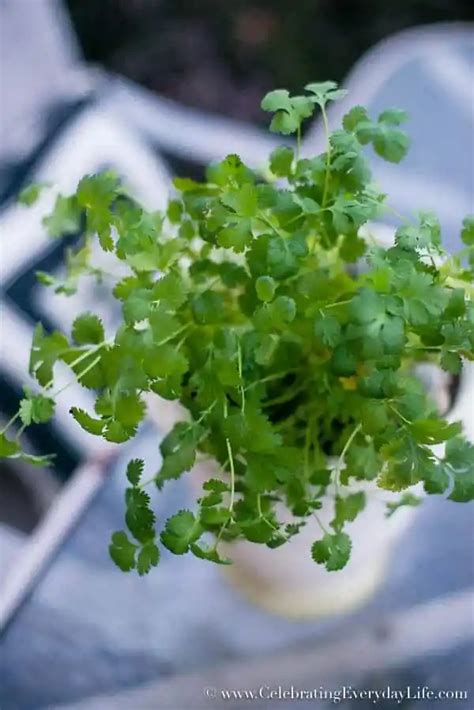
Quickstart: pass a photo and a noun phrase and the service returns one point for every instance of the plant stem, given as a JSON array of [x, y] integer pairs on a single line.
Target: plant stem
[[231, 465], [81, 358], [341, 458], [270, 378], [336, 303], [241, 387], [399, 414], [328, 157], [10, 422], [323, 528], [298, 143], [78, 377]]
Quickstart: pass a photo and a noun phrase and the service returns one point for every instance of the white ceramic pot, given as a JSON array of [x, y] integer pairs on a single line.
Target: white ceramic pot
[[285, 580], [288, 582]]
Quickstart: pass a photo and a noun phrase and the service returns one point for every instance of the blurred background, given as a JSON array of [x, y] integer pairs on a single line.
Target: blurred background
[[223, 57], [155, 88]]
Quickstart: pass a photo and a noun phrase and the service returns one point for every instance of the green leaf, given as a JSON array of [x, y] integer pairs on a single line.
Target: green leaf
[[242, 201], [178, 449], [139, 517], [88, 329], [208, 308], [236, 236], [391, 143], [434, 431], [393, 116], [165, 361], [122, 551], [36, 409], [148, 557], [129, 409], [325, 91], [333, 551], [289, 111], [405, 463], [46, 350], [8, 448], [210, 554], [31, 193], [265, 287], [328, 330], [354, 117], [436, 478], [135, 470], [170, 290], [407, 499], [181, 530], [65, 217], [281, 161], [459, 457], [347, 509], [174, 211], [251, 431], [467, 232], [88, 423]]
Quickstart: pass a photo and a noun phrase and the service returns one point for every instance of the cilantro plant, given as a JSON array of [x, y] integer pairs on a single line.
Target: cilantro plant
[[246, 302]]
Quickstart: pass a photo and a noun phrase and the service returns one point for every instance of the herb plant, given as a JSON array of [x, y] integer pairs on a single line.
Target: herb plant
[[246, 301]]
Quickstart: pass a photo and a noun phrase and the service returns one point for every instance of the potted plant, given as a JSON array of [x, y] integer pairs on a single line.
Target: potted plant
[[282, 347]]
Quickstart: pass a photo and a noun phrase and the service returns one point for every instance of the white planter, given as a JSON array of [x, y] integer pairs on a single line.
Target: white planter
[[288, 582], [285, 580]]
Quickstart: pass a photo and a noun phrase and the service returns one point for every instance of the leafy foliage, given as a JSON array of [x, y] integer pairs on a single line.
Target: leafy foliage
[[237, 301]]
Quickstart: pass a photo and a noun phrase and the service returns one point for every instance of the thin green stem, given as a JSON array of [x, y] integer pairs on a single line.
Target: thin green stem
[[20, 432], [271, 378], [265, 219], [399, 414], [232, 484], [307, 447], [173, 335], [285, 397], [341, 458], [10, 422], [337, 303], [328, 157], [323, 528], [298, 142], [231, 466], [76, 361], [78, 377], [241, 388]]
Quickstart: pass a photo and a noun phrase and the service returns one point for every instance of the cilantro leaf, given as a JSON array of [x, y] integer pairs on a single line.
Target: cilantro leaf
[[122, 551], [181, 530], [135, 470], [281, 161], [148, 557], [36, 409], [31, 193], [467, 232], [88, 423], [347, 509], [88, 329], [333, 551], [289, 111], [8, 448], [407, 499]]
